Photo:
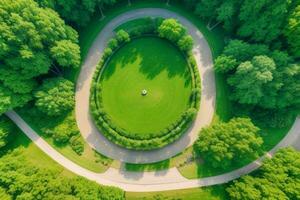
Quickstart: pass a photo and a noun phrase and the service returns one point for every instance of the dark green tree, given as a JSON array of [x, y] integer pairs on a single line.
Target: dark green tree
[[263, 20], [292, 32], [250, 79]]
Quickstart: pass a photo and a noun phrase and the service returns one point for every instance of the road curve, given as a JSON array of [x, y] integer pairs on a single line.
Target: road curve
[[204, 117], [163, 180]]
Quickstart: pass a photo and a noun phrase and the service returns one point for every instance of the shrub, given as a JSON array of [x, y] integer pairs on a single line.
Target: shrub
[[186, 43], [77, 144], [113, 43], [122, 36]]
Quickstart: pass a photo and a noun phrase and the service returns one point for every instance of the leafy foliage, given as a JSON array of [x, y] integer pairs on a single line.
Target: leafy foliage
[[263, 20], [263, 78], [278, 178], [292, 32], [250, 78], [55, 96], [28, 33], [171, 29], [186, 43], [22, 180], [6, 128], [78, 12], [224, 144]]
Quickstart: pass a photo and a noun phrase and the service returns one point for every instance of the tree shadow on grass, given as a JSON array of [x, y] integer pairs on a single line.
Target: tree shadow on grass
[[152, 57]]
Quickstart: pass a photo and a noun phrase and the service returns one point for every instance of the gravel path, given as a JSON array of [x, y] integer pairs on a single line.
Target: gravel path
[[85, 122]]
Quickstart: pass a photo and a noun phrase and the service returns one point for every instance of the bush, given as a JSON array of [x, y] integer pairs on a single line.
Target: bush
[[186, 43], [77, 144], [122, 36], [113, 43]]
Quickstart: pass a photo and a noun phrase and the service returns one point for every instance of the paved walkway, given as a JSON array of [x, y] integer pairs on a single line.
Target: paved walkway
[[163, 180], [146, 181], [85, 122]]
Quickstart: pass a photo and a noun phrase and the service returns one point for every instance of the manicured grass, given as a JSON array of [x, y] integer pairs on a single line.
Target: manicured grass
[[208, 193], [89, 159], [88, 34], [147, 63]]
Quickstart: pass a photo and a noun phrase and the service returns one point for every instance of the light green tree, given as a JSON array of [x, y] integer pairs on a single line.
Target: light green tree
[[224, 144], [55, 96]]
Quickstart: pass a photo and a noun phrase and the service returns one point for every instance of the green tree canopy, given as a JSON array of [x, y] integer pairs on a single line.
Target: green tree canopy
[[6, 128], [263, 20], [278, 178], [292, 32], [250, 79], [186, 43], [171, 29], [55, 96], [20, 179], [27, 35], [224, 144], [78, 12]]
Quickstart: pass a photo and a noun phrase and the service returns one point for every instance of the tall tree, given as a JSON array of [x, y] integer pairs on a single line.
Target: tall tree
[[224, 144], [78, 12], [250, 78], [55, 96], [263, 20], [28, 33], [292, 32], [278, 178]]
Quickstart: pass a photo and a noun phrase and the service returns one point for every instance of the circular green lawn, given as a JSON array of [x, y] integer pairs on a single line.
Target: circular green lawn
[[154, 65]]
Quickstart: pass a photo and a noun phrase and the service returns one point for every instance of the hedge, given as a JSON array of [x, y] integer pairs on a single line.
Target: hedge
[[117, 134]]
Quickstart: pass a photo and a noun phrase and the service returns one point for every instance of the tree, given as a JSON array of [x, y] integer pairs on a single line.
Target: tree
[[262, 20], [171, 29], [278, 178], [218, 11], [243, 51], [21, 179], [225, 64], [250, 79], [186, 43], [292, 32], [6, 128], [224, 144], [28, 33], [66, 53], [122, 36], [55, 96]]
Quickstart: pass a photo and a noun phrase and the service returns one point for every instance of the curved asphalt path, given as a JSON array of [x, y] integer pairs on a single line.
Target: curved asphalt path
[[85, 122], [163, 180]]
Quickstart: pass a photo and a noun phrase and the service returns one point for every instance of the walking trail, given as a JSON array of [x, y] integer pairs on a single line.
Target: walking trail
[[169, 179], [204, 117]]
